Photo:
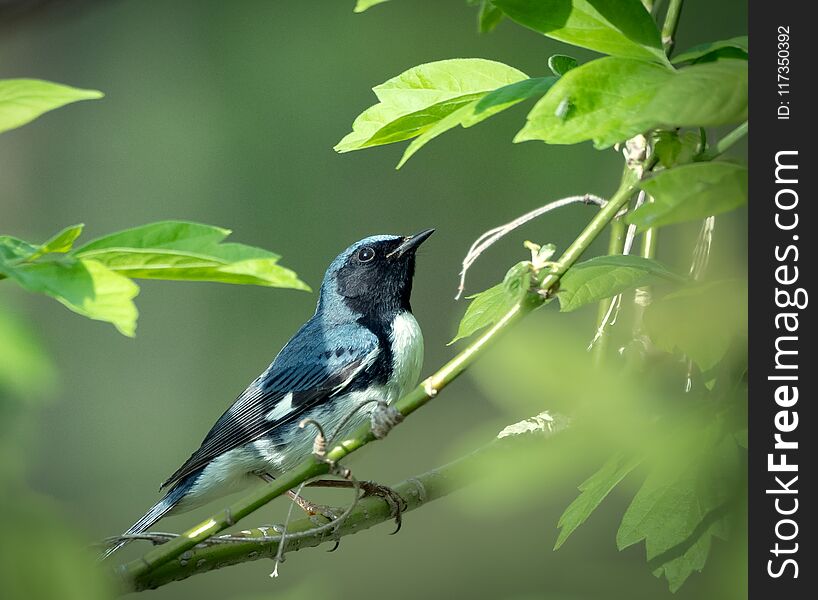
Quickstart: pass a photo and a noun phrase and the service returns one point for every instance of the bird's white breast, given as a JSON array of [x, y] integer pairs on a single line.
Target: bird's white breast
[[407, 354]]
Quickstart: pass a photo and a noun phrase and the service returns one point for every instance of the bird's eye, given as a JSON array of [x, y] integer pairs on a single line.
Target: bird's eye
[[366, 254]]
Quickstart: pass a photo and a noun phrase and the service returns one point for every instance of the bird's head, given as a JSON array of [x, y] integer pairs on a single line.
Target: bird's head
[[373, 274]]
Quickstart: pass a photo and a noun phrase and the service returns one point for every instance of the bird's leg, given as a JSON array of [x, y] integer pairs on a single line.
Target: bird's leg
[[397, 505], [311, 508]]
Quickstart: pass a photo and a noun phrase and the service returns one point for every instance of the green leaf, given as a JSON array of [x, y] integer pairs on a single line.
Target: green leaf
[[703, 95], [560, 64], [606, 276], [617, 27], [362, 5], [485, 309], [84, 286], [609, 100], [682, 505], [691, 192], [605, 100], [594, 490], [448, 122], [489, 17], [506, 97], [714, 49], [672, 149], [60, 242], [178, 250], [420, 97], [700, 321], [12, 249], [23, 100], [478, 111]]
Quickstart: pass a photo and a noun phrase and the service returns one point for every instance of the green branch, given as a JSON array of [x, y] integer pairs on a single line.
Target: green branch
[[674, 9], [428, 389], [368, 512]]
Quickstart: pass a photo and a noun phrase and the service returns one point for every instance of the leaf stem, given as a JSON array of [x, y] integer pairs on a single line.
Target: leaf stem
[[727, 142], [616, 245], [674, 9]]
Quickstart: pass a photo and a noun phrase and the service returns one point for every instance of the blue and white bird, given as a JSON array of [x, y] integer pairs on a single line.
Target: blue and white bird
[[362, 344]]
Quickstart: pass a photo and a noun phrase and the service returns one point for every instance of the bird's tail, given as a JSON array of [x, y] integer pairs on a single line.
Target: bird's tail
[[157, 511]]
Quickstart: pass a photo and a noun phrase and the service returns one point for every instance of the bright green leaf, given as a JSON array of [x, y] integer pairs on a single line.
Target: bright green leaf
[[489, 17], [617, 27], [506, 97], [448, 122], [14, 249], [420, 97], [609, 100], [703, 95], [178, 250], [560, 64], [604, 100], [61, 242], [362, 5], [738, 44], [700, 321], [594, 490], [605, 276], [23, 100], [84, 286], [691, 192]]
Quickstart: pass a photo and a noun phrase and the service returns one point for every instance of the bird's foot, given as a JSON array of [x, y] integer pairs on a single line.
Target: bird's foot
[[397, 505], [312, 509]]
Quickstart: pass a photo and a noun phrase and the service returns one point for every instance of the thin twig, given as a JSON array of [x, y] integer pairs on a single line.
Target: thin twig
[[484, 241]]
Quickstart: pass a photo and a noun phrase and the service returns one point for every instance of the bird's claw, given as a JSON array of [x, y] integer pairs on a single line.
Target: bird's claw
[[397, 505]]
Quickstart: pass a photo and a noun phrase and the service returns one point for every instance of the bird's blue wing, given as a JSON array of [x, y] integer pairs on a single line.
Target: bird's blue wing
[[317, 364]]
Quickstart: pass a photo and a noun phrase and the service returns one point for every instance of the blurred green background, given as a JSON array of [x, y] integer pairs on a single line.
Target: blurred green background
[[226, 113]]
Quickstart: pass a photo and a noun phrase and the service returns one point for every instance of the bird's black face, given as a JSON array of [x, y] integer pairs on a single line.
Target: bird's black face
[[377, 274]]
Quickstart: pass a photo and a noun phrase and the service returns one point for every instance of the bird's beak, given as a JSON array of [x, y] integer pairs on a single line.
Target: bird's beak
[[410, 243]]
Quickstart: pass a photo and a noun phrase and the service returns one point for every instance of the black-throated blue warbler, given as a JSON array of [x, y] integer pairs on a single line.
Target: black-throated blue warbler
[[361, 344]]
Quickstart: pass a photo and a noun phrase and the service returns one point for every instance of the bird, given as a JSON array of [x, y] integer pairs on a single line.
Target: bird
[[362, 345]]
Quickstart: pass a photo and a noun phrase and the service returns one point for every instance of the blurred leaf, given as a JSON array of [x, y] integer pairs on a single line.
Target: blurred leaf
[[418, 98], [560, 64], [691, 192], [671, 148], [23, 100], [362, 5], [618, 27], [700, 321], [42, 559], [741, 438], [179, 250], [13, 249], [679, 568], [84, 286], [25, 369], [739, 43], [683, 504], [605, 276], [489, 17], [594, 490], [60, 242], [609, 100], [506, 97]]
